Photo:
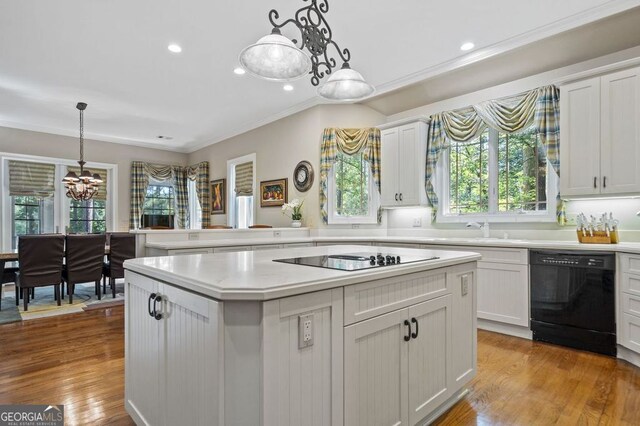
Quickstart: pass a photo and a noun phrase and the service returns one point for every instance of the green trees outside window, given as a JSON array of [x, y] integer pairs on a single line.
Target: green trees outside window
[[352, 181]]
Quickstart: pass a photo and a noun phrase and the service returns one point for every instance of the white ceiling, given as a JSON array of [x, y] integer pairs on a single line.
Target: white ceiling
[[113, 55]]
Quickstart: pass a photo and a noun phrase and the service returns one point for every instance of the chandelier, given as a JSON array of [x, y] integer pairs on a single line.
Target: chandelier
[[275, 57], [85, 186]]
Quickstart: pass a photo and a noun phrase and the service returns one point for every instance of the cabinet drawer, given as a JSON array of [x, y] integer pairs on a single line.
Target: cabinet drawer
[[630, 283], [367, 300], [629, 332], [490, 254], [630, 304], [630, 263]]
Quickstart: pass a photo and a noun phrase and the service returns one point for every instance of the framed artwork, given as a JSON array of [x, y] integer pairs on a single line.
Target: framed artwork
[[218, 196], [273, 193]]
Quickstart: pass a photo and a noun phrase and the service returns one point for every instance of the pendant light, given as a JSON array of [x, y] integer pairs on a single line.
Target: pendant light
[[85, 186], [275, 57]]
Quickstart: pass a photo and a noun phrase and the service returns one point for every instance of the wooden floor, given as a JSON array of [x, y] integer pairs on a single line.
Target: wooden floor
[[78, 360]]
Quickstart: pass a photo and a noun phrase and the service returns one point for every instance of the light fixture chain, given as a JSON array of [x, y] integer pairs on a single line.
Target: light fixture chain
[[81, 137]]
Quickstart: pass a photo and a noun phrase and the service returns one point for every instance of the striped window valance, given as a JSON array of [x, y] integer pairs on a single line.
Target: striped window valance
[[31, 179], [102, 192], [244, 179]]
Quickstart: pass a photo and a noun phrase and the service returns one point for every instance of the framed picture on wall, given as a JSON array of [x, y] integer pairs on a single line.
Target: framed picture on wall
[[273, 193], [218, 196]]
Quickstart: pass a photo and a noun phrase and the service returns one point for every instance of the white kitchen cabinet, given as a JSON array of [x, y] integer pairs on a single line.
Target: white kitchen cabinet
[[600, 135], [174, 351], [503, 293], [403, 156]]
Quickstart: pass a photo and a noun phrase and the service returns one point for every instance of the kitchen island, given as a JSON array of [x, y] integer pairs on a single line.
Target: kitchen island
[[238, 339]]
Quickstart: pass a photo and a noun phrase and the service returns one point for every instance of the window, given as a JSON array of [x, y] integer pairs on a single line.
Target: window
[[497, 176], [89, 216], [33, 200], [351, 198], [195, 211], [242, 189], [159, 206]]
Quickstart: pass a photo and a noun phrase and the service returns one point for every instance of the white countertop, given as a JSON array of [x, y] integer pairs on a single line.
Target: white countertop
[[472, 242], [252, 275]]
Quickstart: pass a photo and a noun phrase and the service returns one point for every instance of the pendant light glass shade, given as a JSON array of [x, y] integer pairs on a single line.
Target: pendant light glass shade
[[275, 57], [345, 85]]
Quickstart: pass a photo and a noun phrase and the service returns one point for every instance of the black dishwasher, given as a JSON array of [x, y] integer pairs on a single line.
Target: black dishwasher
[[573, 299]]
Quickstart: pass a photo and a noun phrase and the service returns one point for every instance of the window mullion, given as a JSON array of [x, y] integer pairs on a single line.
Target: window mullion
[[493, 171]]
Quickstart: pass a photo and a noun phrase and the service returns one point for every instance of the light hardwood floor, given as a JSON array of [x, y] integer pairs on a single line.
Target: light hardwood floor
[[78, 360]]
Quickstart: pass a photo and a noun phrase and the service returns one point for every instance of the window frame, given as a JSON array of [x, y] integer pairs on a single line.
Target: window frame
[[90, 209], [332, 216], [61, 205], [195, 210], [231, 184], [441, 185]]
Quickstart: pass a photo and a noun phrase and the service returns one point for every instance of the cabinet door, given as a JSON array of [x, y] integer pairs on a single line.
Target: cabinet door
[[580, 136], [429, 357], [408, 184], [503, 293], [620, 132], [190, 358], [389, 167], [142, 352], [629, 332], [375, 371], [464, 327]]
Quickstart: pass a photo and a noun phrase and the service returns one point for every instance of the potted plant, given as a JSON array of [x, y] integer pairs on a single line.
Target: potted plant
[[294, 211]]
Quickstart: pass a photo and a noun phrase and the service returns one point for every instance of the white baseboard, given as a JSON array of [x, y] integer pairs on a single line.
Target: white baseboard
[[444, 407], [629, 356], [509, 329]]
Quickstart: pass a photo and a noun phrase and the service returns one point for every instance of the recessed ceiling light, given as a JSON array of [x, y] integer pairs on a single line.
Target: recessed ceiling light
[[467, 46], [287, 87], [239, 70], [174, 48]]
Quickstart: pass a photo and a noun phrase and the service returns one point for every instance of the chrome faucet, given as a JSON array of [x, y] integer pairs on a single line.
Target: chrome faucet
[[484, 227]]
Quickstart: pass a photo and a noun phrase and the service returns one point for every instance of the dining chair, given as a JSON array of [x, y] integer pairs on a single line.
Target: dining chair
[[260, 226], [122, 246], [84, 259], [218, 227], [40, 259], [7, 275]]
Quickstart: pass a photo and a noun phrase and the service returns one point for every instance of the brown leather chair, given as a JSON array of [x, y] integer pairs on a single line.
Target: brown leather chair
[[122, 246], [84, 260], [260, 226], [218, 227], [40, 259]]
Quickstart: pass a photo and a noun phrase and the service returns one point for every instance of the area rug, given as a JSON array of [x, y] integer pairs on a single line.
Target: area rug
[[44, 304]]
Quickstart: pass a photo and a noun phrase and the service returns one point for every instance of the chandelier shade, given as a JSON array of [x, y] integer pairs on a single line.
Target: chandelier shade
[[275, 57], [87, 185], [345, 85]]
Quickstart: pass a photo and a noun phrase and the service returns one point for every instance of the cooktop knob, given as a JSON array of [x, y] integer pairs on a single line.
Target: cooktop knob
[[388, 259], [372, 258], [397, 259]]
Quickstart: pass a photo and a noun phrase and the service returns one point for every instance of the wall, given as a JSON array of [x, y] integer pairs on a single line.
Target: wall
[[624, 209], [49, 145], [279, 146]]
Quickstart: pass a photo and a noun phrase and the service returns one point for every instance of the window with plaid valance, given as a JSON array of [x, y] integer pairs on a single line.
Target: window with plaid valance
[[348, 142], [141, 172], [539, 107]]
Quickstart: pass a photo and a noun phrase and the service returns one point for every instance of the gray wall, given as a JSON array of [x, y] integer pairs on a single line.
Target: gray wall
[[279, 146], [48, 145]]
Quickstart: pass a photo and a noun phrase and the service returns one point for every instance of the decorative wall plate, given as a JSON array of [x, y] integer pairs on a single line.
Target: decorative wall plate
[[303, 176]]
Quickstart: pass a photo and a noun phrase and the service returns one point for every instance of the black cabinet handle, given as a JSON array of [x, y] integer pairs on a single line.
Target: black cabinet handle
[[604, 182], [151, 313], [157, 315], [396, 196], [401, 196], [595, 181], [408, 336], [415, 335]]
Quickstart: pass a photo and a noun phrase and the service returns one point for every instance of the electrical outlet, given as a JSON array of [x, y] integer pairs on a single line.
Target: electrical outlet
[[464, 282], [277, 234], [355, 226], [194, 236], [305, 331], [417, 222]]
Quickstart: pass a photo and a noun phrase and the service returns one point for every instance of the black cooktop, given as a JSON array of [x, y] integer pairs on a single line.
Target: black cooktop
[[355, 261]]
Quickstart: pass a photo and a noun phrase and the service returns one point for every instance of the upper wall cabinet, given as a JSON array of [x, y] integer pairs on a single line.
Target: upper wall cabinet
[[600, 135], [404, 150]]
